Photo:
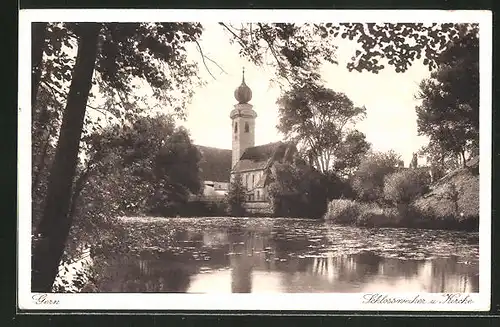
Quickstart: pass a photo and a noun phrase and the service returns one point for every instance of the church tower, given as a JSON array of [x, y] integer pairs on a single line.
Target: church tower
[[243, 121]]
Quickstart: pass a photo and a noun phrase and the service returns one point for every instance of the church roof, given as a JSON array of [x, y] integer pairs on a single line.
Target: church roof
[[260, 157], [215, 164]]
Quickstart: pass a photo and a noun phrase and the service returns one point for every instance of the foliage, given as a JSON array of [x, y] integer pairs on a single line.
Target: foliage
[[151, 164], [406, 185], [368, 181], [153, 52], [117, 57], [456, 195], [45, 122], [441, 161], [236, 196], [349, 153], [449, 112], [369, 214], [299, 49], [397, 45], [147, 167], [117, 52], [296, 50], [338, 187], [298, 190], [318, 120]]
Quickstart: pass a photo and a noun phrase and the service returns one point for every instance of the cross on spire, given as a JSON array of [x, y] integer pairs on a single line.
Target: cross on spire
[[243, 74]]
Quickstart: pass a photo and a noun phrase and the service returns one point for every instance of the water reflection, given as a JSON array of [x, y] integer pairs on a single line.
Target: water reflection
[[297, 257]]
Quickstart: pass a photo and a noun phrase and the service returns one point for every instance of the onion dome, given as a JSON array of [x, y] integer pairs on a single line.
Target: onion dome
[[243, 94]]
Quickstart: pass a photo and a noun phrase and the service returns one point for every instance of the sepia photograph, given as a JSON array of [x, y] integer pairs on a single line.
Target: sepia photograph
[[256, 159]]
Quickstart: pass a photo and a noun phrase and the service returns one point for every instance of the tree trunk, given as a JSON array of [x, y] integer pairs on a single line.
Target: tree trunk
[[464, 162], [38, 32], [55, 224]]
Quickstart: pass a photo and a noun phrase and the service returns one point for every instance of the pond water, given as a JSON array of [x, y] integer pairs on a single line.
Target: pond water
[[243, 255]]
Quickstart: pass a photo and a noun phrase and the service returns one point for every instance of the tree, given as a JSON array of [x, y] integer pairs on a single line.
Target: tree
[[368, 181], [350, 152], [44, 128], [147, 166], [317, 119], [449, 112], [440, 160], [54, 225], [299, 50], [236, 196], [404, 186], [118, 52], [38, 32], [157, 164], [113, 54], [296, 51], [397, 45], [298, 190]]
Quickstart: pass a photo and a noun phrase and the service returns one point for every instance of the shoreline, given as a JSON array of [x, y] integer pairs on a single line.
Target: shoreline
[[424, 226]]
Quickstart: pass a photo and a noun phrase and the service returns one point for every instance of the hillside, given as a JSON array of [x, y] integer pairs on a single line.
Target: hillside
[[453, 197]]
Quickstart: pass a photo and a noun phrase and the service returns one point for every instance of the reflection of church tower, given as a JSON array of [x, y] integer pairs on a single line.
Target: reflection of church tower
[[243, 121]]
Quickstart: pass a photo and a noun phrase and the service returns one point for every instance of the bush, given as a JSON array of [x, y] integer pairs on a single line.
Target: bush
[[350, 212], [406, 185], [343, 211], [368, 181], [338, 188], [298, 190]]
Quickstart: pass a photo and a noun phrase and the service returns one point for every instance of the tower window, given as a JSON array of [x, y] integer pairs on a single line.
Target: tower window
[[236, 127], [247, 128]]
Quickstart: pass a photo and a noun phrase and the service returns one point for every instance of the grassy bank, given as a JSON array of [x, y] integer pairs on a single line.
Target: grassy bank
[[451, 203]]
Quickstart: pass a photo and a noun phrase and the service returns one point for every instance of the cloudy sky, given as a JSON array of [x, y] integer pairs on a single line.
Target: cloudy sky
[[387, 96]]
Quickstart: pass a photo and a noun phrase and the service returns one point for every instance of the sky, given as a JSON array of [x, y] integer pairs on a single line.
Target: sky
[[388, 97]]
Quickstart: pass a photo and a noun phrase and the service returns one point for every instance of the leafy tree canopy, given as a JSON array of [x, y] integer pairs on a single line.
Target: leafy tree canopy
[[368, 181], [236, 196], [156, 162], [320, 121], [299, 49], [298, 190], [449, 112]]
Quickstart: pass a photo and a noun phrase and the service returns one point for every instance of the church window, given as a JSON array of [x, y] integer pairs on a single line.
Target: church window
[[247, 128], [258, 195], [253, 180], [236, 127]]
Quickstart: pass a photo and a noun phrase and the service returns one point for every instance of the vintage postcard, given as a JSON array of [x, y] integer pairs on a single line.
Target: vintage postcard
[[254, 160]]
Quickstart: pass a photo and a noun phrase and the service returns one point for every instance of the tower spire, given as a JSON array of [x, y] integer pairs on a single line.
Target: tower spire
[[243, 94]]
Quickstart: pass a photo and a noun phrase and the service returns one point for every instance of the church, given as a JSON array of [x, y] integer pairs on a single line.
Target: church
[[253, 163]]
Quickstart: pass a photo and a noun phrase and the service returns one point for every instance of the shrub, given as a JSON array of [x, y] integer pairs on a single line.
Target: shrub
[[298, 190], [368, 181], [406, 185], [361, 214], [338, 188], [343, 211]]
